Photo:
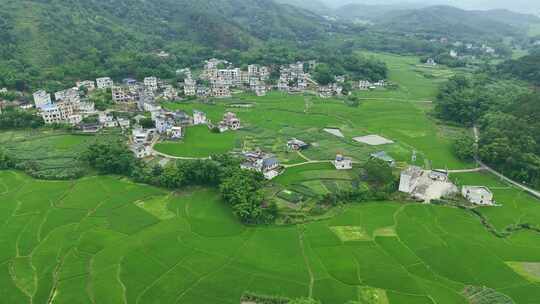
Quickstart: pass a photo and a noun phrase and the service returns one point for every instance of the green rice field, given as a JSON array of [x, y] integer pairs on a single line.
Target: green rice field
[[107, 240], [199, 142]]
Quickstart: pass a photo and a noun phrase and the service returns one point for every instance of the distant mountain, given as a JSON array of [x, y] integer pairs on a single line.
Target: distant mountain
[[371, 12], [315, 6], [454, 22]]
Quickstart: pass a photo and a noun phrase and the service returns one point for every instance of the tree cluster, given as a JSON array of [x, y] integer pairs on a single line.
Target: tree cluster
[[239, 188], [507, 117], [13, 118]]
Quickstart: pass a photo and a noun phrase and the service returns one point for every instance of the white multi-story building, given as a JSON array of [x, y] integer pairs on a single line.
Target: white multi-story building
[[104, 83], [151, 83], [478, 195], [199, 118], [190, 87], [59, 112], [221, 90], [122, 94], [90, 85], [69, 95], [42, 99]]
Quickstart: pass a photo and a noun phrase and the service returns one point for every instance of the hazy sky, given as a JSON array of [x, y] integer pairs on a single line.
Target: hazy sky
[[527, 6]]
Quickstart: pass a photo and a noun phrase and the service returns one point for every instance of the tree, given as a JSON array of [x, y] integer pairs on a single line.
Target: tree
[[147, 123], [110, 158], [13, 118], [464, 148], [5, 161], [378, 173], [323, 75]]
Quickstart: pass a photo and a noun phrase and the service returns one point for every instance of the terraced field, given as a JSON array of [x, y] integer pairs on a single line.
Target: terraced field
[[107, 240]]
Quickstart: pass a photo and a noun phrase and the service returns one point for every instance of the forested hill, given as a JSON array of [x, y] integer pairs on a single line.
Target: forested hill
[[456, 23], [43, 36], [526, 68]]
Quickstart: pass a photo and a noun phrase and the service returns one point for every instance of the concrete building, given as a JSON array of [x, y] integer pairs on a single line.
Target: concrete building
[[199, 118], [426, 185], [261, 162], [231, 121], [151, 83], [382, 155], [342, 163], [104, 83], [220, 90], [478, 195], [296, 145], [190, 87], [42, 99], [122, 94], [58, 113], [90, 85], [69, 95]]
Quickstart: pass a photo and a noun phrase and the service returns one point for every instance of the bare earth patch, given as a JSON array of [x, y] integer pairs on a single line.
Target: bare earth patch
[[528, 270], [373, 140], [335, 132], [350, 233], [385, 231]]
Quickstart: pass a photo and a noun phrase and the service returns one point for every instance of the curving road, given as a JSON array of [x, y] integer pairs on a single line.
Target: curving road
[[529, 190]]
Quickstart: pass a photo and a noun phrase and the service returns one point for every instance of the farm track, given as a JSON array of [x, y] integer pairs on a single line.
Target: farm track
[[529, 190]]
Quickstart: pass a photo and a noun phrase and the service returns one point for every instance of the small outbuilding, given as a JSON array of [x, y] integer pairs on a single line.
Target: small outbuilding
[[342, 163], [296, 145], [478, 195], [382, 155]]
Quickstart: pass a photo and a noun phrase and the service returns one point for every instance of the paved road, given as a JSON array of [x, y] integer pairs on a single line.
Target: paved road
[[500, 175]]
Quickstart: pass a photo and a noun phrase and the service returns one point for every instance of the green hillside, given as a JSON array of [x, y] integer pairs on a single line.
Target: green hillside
[[62, 39]]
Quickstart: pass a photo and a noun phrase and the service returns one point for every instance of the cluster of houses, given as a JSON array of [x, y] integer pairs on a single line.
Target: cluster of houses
[[221, 76], [261, 162], [67, 107], [365, 85], [427, 185]]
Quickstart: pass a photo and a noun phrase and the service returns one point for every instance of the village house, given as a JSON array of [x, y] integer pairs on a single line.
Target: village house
[[229, 122], [90, 85], [84, 108], [259, 88], [141, 136], [169, 92], [89, 127], [151, 83], [229, 77], [264, 163], [453, 53], [42, 99], [330, 90], [296, 145], [141, 150], [343, 163], [220, 90], [340, 79], [199, 118], [129, 82], [426, 185], [165, 122], [59, 113], [107, 120], [3, 90], [185, 71], [123, 123], [382, 155], [478, 195], [123, 94], [364, 85], [104, 83], [190, 86], [175, 133], [431, 62], [69, 95]]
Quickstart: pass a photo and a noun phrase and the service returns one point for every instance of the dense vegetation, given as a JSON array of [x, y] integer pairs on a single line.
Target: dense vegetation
[[13, 118], [526, 68], [239, 188], [507, 117]]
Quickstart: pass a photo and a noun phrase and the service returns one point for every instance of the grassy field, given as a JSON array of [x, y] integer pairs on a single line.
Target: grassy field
[[51, 152], [107, 240], [401, 115], [200, 142]]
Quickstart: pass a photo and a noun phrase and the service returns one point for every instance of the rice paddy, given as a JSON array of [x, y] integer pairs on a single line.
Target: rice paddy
[[107, 240], [104, 239]]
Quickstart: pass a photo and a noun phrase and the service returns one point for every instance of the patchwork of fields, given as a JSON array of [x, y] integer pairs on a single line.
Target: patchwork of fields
[[107, 240]]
